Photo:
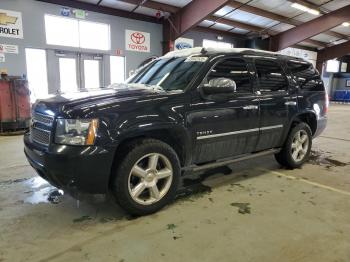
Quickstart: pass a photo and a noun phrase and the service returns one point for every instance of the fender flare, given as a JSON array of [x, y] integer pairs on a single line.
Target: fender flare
[[151, 129], [293, 119]]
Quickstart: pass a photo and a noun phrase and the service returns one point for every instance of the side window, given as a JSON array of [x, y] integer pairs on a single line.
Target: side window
[[307, 77], [271, 76], [235, 69]]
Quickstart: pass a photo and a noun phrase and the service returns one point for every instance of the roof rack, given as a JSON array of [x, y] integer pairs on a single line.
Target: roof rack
[[210, 50]]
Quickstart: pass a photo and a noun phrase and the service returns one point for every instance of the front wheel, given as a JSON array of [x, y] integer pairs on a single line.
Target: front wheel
[[297, 147], [147, 178]]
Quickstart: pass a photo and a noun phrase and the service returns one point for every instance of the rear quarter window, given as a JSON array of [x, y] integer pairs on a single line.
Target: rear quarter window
[[271, 76], [306, 75]]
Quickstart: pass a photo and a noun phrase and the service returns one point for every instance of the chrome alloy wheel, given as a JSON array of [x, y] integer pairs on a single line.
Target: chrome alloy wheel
[[150, 179], [300, 145]]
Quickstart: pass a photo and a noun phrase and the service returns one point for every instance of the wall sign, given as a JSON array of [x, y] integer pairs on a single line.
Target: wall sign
[[137, 41], [183, 43], [10, 49], [65, 11], [11, 24], [80, 14], [119, 52], [307, 55]]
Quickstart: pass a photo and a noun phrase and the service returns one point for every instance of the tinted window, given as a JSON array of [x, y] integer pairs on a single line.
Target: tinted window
[[234, 69], [306, 75], [170, 73], [271, 76]]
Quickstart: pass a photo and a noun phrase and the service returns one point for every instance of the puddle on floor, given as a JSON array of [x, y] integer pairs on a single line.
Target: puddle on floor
[[319, 158], [41, 192]]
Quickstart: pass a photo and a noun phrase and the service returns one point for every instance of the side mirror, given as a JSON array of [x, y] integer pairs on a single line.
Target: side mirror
[[219, 85]]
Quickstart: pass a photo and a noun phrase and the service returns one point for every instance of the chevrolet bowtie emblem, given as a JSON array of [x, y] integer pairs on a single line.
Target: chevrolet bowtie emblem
[[7, 20]]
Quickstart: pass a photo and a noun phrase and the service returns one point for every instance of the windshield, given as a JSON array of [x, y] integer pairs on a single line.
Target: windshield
[[169, 73]]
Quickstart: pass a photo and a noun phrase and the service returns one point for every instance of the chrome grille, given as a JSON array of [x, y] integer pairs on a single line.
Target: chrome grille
[[41, 128], [41, 136], [44, 119]]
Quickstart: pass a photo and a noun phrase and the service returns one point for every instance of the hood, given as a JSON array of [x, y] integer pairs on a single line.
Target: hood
[[86, 101]]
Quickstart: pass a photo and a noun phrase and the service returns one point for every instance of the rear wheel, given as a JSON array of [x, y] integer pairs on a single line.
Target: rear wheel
[[147, 178], [297, 147]]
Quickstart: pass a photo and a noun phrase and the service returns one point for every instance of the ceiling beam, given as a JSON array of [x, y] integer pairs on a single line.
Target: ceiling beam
[[218, 32], [194, 13], [280, 18], [103, 10], [332, 52], [154, 5], [261, 12], [257, 29], [310, 29], [235, 23], [311, 5]]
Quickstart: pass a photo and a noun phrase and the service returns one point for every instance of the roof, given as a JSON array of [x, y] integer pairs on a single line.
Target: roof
[[210, 50]]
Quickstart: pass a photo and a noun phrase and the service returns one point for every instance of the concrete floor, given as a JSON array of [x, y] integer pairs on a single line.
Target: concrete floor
[[258, 212]]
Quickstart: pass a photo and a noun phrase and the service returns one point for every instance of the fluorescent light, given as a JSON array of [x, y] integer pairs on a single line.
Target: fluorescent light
[[300, 7], [347, 24], [313, 11], [305, 9]]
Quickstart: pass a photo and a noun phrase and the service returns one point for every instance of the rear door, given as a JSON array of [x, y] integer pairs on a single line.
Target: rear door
[[275, 102], [227, 124]]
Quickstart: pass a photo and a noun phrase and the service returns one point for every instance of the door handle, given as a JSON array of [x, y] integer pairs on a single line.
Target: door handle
[[250, 107], [290, 103]]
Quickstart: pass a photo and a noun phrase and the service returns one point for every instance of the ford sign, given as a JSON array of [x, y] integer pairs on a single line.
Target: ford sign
[[182, 45]]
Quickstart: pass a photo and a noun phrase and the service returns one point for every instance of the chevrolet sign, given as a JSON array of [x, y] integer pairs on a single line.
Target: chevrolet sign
[[7, 20], [11, 24]]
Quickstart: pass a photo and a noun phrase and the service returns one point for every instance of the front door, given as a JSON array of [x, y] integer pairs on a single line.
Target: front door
[[274, 99], [69, 68], [91, 73], [225, 125], [78, 71]]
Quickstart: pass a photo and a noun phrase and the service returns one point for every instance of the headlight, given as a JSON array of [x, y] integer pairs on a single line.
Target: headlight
[[76, 131]]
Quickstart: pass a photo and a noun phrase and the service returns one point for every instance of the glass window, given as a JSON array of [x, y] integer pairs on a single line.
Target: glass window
[[216, 44], [94, 35], [92, 74], [68, 75], [171, 73], [271, 76], [61, 31], [76, 33], [332, 66], [117, 66], [36, 73], [306, 75], [234, 69]]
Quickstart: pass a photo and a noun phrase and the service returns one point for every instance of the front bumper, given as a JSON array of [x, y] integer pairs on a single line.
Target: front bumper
[[74, 169]]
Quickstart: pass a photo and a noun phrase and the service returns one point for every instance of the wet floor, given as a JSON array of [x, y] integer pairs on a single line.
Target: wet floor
[[37, 190], [251, 211]]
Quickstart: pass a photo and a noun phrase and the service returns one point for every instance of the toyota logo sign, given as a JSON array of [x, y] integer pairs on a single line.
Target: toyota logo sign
[[137, 41], [138, 38]]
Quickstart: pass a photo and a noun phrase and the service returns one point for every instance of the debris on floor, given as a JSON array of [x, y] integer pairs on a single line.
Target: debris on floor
[[12, 181], [54, 196], [243, 208], [82, 219], [319, 158], [172, 227]]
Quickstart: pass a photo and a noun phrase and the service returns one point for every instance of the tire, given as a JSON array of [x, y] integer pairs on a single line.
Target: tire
[[297, 147], [147, 165]]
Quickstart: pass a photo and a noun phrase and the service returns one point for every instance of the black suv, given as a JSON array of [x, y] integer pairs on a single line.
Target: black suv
[[188, 110]]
